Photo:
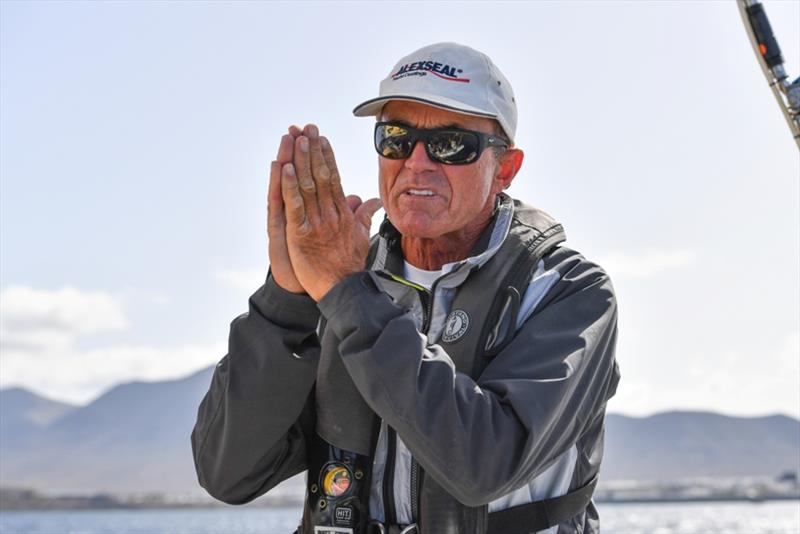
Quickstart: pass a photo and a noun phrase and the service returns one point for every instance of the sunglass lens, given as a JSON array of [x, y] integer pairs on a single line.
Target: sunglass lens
[[453, 147], [393, 142]]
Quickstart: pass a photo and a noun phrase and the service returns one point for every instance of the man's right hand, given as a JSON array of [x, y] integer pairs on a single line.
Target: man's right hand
[[281, 266]]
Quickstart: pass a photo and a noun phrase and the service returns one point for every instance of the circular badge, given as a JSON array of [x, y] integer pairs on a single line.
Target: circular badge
[[336, 480], [456, 326]]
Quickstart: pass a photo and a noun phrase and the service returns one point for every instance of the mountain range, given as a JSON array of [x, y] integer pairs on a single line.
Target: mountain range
[[135, 438]]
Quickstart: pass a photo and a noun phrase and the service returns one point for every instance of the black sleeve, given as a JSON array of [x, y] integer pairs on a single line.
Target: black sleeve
[[252, 424]]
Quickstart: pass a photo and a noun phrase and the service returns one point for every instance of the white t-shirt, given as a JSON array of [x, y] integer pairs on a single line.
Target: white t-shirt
[[420, 276]]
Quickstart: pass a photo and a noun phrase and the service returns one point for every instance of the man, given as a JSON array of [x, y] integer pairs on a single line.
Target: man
[[479, 346]]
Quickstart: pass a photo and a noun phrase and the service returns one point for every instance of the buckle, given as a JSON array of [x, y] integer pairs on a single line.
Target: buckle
[[376, 527]]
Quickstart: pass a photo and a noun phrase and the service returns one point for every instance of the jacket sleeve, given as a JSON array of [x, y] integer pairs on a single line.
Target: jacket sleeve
[[481, 440], [252, 424]]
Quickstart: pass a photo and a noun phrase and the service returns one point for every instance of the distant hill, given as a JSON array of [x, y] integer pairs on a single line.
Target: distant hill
[[23, 415], [135, 438], [21, 406], [675, 445]]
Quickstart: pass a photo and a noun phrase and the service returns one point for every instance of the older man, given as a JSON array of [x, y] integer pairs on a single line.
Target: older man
[[459, 382]]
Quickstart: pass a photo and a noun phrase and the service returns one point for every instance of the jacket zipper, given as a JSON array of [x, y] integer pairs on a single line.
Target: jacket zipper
[[390, 511], [415, 486], [427, 305], [388, 477]]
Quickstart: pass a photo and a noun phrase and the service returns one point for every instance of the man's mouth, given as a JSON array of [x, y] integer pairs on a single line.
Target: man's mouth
[[420, 192]]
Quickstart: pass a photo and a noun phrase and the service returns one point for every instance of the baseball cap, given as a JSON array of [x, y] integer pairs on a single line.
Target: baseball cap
[[449, 76]]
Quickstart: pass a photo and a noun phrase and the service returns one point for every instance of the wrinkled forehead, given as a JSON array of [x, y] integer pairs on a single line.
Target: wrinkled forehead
[[424, 116]]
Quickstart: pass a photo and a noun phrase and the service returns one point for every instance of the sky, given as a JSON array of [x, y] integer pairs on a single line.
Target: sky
[[135, 141]]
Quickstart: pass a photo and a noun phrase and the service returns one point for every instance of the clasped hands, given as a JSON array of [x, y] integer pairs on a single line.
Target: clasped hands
[[317, 236]]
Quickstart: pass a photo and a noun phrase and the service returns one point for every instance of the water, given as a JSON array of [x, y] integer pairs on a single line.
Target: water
[[173, 521], [779, 517], [683, 518]]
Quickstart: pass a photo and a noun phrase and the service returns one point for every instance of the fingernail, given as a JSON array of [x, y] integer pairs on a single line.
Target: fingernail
[[324, 142], [304, 144], [313, 131], [289, 169]]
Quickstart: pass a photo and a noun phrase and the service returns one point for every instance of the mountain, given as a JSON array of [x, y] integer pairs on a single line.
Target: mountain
[[135, 438], [675, 445], [20, 406], [23, 415]]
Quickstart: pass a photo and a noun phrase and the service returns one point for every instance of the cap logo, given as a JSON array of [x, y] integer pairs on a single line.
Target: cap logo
[[422, 68]]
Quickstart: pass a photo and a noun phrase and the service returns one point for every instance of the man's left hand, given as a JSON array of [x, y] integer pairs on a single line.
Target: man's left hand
[[327, 234]]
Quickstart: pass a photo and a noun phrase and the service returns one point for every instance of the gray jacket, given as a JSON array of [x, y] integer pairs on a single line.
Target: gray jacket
[[535, 431]]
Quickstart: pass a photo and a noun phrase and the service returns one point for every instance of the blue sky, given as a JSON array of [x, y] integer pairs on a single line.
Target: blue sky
[[135, 139]]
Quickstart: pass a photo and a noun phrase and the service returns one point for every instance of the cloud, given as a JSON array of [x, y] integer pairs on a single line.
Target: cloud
[[246, 280], [38, 334], [733, 381], [787, 356], [38, 320], [79, 377], [645, 264], [133, 295]]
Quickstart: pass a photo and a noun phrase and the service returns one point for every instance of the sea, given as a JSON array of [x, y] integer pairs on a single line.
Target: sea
[[770, 517]]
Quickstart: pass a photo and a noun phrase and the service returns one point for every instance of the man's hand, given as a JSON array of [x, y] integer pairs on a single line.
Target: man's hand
[[327, 235], [280, 265]]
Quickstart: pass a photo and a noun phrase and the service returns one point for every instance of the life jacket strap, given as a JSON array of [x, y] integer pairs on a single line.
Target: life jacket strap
[[541, 515], [376, 527]]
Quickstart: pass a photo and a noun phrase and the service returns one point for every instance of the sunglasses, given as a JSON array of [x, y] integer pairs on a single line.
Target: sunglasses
[[448, 145]]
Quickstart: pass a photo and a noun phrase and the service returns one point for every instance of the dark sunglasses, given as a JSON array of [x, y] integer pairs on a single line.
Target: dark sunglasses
[[451, 146]]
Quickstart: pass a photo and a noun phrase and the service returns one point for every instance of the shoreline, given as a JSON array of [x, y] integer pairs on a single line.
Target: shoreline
[[64, 504]]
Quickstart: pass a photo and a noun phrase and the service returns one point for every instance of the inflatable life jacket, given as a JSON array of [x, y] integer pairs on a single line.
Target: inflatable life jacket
[[480, 323]]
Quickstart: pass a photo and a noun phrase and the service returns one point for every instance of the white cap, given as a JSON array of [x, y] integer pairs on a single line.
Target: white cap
[[449, 76]]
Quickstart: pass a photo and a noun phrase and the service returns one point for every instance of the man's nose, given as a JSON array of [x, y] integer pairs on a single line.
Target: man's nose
[[419, 161]]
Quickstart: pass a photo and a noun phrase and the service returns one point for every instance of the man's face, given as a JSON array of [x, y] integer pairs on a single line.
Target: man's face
[[463, 195]]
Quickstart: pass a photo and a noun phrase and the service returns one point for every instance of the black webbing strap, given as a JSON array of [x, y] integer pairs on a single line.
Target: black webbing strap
[[540, 515]]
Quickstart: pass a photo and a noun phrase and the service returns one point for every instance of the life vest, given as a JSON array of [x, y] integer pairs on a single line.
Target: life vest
[[480, 323]]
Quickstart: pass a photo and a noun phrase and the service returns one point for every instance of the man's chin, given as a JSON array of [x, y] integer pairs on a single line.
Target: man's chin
[[420, 233], [415, 224]]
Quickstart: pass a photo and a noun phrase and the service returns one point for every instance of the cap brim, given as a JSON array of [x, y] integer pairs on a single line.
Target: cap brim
[[374, 106]]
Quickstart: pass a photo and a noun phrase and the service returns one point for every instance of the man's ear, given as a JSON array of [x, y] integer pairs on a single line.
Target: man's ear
[[509, 166]]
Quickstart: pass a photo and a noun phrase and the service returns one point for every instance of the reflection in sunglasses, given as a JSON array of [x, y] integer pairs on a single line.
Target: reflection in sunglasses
[[448, 145]]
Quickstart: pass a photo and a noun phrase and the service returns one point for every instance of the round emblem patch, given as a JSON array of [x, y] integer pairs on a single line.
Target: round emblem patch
[[456, 326], [336, 480]]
